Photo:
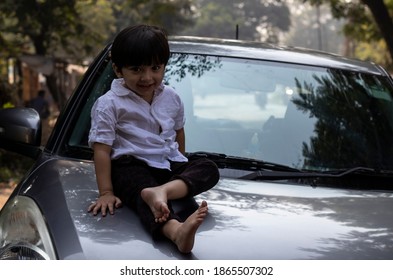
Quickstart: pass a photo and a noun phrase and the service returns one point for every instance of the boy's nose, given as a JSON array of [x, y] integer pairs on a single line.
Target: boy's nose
[[146, 75]]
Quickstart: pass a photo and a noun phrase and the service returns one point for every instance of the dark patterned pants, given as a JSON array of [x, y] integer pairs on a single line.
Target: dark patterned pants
[[131, 175]]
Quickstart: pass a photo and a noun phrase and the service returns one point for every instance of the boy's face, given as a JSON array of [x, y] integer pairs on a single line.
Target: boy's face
[[142, 80]]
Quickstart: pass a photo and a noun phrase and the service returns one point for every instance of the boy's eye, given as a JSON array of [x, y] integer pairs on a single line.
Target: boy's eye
[[156, 67], [136, 69], [139, 69]]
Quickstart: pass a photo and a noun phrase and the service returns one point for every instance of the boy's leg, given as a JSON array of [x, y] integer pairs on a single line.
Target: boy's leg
[[157, 197], [183, 234], [199, 175], [188, 179], [129, 177]]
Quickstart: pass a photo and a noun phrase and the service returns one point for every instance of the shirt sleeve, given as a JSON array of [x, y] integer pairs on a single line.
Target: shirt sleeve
[[102, 124], [180, 117]]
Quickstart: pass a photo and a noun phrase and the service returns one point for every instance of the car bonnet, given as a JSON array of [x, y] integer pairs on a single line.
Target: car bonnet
[[246, 220]]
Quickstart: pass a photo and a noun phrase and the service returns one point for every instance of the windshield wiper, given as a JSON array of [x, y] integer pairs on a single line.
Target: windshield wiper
[[234, 162], [260, 174], [264, 170], [355, 177]]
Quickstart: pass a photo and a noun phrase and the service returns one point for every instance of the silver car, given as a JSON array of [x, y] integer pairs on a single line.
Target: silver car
[[303, 140]]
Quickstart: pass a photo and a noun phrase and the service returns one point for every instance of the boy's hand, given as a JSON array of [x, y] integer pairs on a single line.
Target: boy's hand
[[105, 202]]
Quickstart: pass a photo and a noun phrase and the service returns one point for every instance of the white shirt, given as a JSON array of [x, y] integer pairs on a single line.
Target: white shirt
[[131, 126]]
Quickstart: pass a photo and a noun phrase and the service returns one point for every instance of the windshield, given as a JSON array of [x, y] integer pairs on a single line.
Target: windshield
[[304, 117]]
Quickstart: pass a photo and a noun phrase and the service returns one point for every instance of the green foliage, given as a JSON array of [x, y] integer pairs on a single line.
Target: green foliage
[[360, 23], [173, 15], [257, 20], [374, 51], [335, 99], [366, 24], [214, 20], [41, 21], [166, 13], [13, 166], [98, 23], [61, 28], [7, 94], [76, 30], [315, 29]]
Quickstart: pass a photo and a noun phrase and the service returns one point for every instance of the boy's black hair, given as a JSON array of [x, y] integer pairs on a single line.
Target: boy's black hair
[[140, 45]]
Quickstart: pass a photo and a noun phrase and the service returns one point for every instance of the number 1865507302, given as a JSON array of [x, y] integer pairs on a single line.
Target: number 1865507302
[[243, 270]]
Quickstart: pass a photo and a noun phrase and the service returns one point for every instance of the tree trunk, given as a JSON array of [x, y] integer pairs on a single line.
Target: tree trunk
[[58, 96], [383, 20]]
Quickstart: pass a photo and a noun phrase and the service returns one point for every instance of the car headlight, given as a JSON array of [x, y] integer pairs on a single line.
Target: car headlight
[[23, 232]]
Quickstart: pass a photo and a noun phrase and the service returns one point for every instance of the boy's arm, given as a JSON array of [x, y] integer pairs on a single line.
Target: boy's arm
[[181, 140], [107, 200]]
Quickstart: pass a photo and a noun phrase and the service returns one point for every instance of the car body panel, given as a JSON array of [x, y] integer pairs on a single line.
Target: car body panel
[[247, 220], [269, 52]]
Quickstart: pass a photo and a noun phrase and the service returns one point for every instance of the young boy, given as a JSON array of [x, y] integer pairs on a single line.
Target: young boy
[[137, 134]]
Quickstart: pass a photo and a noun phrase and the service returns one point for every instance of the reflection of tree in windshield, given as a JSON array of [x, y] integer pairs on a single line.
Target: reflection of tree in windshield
[[196, 65], [354, 126]]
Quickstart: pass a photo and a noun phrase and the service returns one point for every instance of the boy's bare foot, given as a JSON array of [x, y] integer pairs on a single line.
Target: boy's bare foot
[[185, 234], [157, 200]]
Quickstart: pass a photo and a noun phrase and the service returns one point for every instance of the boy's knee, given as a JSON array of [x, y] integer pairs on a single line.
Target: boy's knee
[[210, 171]]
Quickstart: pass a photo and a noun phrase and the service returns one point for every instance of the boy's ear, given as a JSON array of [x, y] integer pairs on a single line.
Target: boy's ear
[[117, 71]]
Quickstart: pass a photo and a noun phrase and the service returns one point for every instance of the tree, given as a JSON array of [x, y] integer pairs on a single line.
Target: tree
[[256, 19], [345, 123], [173, 15], [50, 28], [75, 30], [315, 28], [368, 20]]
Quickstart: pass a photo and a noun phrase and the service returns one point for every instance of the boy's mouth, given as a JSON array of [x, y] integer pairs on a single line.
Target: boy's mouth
[[146, 86]]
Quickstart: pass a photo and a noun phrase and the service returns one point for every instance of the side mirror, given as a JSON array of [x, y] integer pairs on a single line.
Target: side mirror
[[20, 131]]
